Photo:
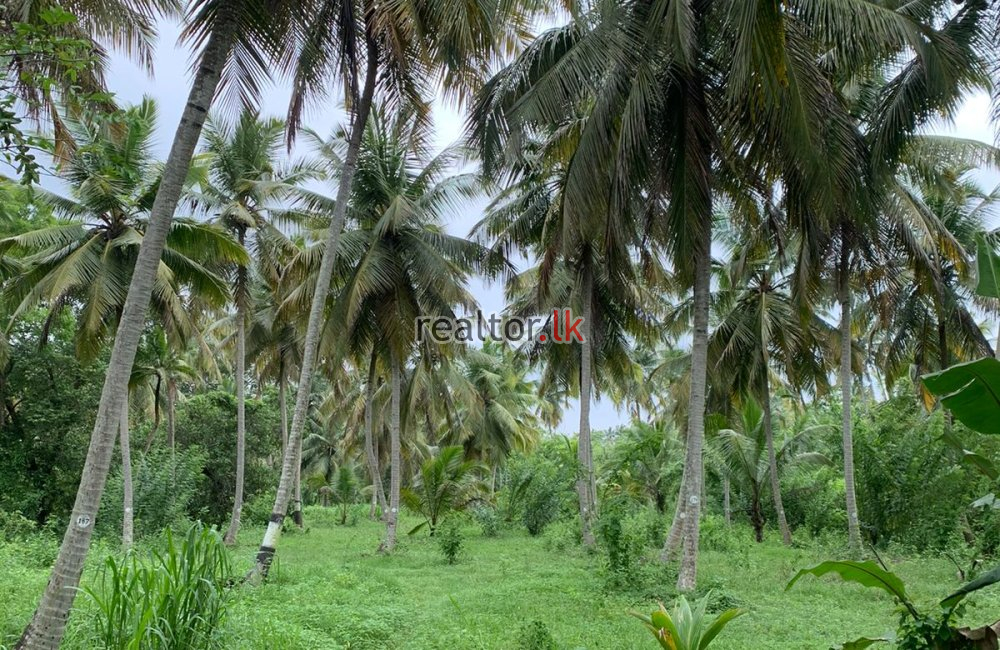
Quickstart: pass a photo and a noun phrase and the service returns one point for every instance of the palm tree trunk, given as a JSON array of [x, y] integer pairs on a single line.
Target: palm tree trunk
[[46, 629], [269, 544], [676, 534], [727, 510], [127, 518], [688, 574], [156, 414], [297, 496], [585, 481], [378, 493], [772, 463], [853, 529], [171, 406], [395, 462], [241, 399], [283, 404]]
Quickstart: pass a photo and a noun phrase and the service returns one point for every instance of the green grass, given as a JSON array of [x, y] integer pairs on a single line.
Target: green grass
[[330, 589]]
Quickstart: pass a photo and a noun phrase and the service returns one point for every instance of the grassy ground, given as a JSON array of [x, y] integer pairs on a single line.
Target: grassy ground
[[329, 589]]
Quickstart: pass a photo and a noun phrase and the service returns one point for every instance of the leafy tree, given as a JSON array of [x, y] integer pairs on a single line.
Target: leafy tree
[[87, 260], [205, 421], [666, 110]]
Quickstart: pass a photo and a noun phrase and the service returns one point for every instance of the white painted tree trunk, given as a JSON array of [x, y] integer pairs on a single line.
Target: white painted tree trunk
[[269, 544], [46, 629]]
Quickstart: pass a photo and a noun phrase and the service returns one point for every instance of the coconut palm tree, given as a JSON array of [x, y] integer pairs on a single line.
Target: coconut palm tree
[[159, 367], [496, 406], [238, 40], [446, 483], [584, 264], [243, 190], [744, 449], [931, 322], [760, 334], [690, 102], [358, 45], [46, 82], [85, 260], [406, 267]]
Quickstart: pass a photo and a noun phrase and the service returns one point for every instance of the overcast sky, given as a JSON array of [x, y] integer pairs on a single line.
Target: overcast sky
[[170, 86]]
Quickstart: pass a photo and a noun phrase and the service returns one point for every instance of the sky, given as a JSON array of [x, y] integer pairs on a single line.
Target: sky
[[171, 81]]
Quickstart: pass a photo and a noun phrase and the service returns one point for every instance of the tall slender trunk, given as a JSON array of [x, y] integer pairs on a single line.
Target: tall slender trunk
[[297, 493], [846, 377], [46, 629], [241, 399], [378, 493], [772, 462], [676, 533], [585, 479], [171, 406], [156, 414], [127, 517], [727, 510], [395, 462], [269, 544], [283, 403], [688, 574]]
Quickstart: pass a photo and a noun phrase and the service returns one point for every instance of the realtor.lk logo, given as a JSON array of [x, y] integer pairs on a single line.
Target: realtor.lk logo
[[560, 327]]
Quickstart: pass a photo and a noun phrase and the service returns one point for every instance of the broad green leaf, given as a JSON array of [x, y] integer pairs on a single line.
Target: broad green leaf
[[988, 501], [988, 267], [971, 391], [867, 574], [720, 622], [984, 580]]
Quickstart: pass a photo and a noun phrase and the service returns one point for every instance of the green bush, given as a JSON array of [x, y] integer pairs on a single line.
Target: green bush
[[207, 421], [536, 636], [623, 533], [15, 526], [166, 601], [450, 540], [257, 509], [563, 534], [164, 486], [488, 520], [541, 503]]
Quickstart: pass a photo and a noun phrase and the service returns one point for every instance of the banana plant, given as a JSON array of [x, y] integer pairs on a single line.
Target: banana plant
[[687, 627], [917, 629]]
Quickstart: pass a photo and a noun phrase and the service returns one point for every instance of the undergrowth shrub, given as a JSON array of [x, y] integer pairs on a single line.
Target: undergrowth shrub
[[450, 539], [488, 519], [624, 535], [172, 600], [164, 485], [536, 636], [563, 534]]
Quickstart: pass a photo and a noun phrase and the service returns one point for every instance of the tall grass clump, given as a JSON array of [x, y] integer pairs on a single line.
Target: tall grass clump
[[164, 601]]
